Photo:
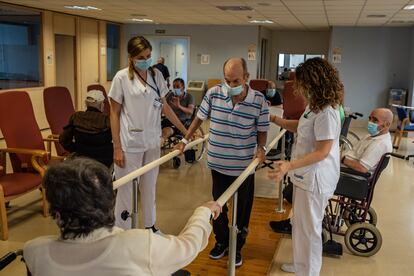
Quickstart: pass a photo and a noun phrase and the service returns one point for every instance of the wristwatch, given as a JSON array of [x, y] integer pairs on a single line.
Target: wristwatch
[[263, 147]]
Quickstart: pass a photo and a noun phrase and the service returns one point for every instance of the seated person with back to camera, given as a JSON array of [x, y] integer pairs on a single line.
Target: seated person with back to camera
[[363, 157], [182, 104], [88, 133], [81, 198]]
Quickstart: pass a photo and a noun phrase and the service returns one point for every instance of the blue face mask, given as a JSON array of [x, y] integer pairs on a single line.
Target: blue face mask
[[232, 91], [143, 64], [270, 93], [177, 91], [372, 128]]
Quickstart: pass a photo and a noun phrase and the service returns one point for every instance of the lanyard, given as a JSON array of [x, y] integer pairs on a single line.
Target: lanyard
[[156, 89]]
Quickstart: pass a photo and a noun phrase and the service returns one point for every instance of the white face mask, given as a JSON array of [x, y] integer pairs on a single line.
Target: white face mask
[[232, 91]]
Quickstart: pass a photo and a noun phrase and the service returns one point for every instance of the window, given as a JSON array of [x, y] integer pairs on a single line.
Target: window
[[20, 41], [112, 50], [291, 61]]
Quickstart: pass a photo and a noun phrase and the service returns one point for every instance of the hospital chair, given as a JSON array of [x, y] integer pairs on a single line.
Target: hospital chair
[[259, 85], [58, 109], [213, 82], [26, 149], [106, 101]]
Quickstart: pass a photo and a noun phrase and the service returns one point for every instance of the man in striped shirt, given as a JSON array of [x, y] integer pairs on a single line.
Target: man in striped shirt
[[238, 130]]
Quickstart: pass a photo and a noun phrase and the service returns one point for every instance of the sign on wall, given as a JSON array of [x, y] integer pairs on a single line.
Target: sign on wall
[[336, 55], [251, 52]]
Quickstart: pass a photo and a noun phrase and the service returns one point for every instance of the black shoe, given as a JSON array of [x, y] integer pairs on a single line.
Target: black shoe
[[283, 226], [218, 251], [239, 260]]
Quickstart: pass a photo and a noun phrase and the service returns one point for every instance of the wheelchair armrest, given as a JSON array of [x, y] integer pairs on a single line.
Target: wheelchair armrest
[[354, 172]]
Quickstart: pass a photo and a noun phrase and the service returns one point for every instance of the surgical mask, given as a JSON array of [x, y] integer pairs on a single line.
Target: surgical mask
[[270, 93], [177, 91], [232, 91], [372, 128], [143, 64]]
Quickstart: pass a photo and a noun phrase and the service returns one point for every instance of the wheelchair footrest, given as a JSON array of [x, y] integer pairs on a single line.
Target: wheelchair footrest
[[332, 247]]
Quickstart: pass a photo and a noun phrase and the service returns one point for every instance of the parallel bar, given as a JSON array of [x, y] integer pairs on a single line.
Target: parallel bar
[[233, 239], [125, 179], [282, 181], [237, 183], [134, 214]]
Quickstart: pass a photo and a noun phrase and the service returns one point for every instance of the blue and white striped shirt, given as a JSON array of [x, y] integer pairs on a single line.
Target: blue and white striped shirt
[[233, 130]]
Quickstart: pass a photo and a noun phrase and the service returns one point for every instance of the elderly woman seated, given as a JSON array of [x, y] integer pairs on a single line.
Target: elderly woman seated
[[81, 200]]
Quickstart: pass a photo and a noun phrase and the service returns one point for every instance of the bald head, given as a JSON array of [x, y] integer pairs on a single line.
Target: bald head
[[383, 117], [161, 60], [235, 64]]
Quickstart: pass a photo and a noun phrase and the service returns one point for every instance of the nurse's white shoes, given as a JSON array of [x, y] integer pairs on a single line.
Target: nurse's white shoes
[[289, 268]]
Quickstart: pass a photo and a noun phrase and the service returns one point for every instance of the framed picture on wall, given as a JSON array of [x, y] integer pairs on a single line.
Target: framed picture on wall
[[205, 59]]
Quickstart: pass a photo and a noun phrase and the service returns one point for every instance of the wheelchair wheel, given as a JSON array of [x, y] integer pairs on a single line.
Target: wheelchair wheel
[[351, 216], [176, 162], [363, 239], [200, 148], [352, 137]]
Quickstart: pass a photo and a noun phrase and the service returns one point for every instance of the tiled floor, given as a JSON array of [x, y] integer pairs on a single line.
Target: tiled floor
[[180, 191]]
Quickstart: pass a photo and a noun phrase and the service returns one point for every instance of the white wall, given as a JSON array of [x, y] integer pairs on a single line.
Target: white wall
[[221, 42], [373, 60], [295, 42]]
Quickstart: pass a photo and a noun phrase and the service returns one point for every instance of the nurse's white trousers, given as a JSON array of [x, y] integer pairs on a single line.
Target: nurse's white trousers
[[308, 212], [147, 187]]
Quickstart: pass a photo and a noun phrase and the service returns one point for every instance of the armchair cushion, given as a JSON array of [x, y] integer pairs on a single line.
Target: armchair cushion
[[19, 183]]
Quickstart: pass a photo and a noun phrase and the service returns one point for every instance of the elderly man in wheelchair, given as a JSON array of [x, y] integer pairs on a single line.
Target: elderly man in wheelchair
[[183, 105], [358, 170]]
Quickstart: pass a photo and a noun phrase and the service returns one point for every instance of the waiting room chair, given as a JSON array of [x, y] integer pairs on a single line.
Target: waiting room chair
[[26, 150], [106, 101], [404, 126], [293, 104], [213, 82], [58, 109], [259, 85]]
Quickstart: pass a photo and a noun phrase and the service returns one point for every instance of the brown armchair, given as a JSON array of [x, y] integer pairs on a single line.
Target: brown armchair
[[26, 150], [58, 109]]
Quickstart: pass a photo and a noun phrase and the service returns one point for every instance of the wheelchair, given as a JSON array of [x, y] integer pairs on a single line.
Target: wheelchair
[[350, 208], [348, 138], [192, 155]]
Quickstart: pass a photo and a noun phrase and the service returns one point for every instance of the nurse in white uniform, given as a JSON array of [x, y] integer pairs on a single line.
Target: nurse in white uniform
[[314, 167], [137, 100]]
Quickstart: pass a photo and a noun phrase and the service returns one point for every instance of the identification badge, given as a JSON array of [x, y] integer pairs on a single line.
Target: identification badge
[[158, 103]]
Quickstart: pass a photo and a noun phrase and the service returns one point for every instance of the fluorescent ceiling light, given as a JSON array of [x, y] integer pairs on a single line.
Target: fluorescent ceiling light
[[409, 7], [261, 21], [83, 8], [142, 20]]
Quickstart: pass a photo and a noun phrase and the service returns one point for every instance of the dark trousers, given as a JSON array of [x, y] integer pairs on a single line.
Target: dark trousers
[[244, 207]]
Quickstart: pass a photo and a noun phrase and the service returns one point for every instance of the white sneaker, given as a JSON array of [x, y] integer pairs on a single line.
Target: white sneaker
[[289, 268]]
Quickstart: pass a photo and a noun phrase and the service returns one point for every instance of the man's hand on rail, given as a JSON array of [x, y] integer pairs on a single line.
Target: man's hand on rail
[[280, 169], [214, 207], [119, 157], [180, 146], [261, 154]]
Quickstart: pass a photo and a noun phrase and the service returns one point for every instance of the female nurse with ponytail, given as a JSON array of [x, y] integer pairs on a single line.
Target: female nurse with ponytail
[[137, 101]]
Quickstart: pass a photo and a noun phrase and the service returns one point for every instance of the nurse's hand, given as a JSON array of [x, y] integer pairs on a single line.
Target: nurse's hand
[[280, 169], [180, 146], [119, 157]]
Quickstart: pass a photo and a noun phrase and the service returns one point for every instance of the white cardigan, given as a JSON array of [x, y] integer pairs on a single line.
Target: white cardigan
[[118, 252]]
